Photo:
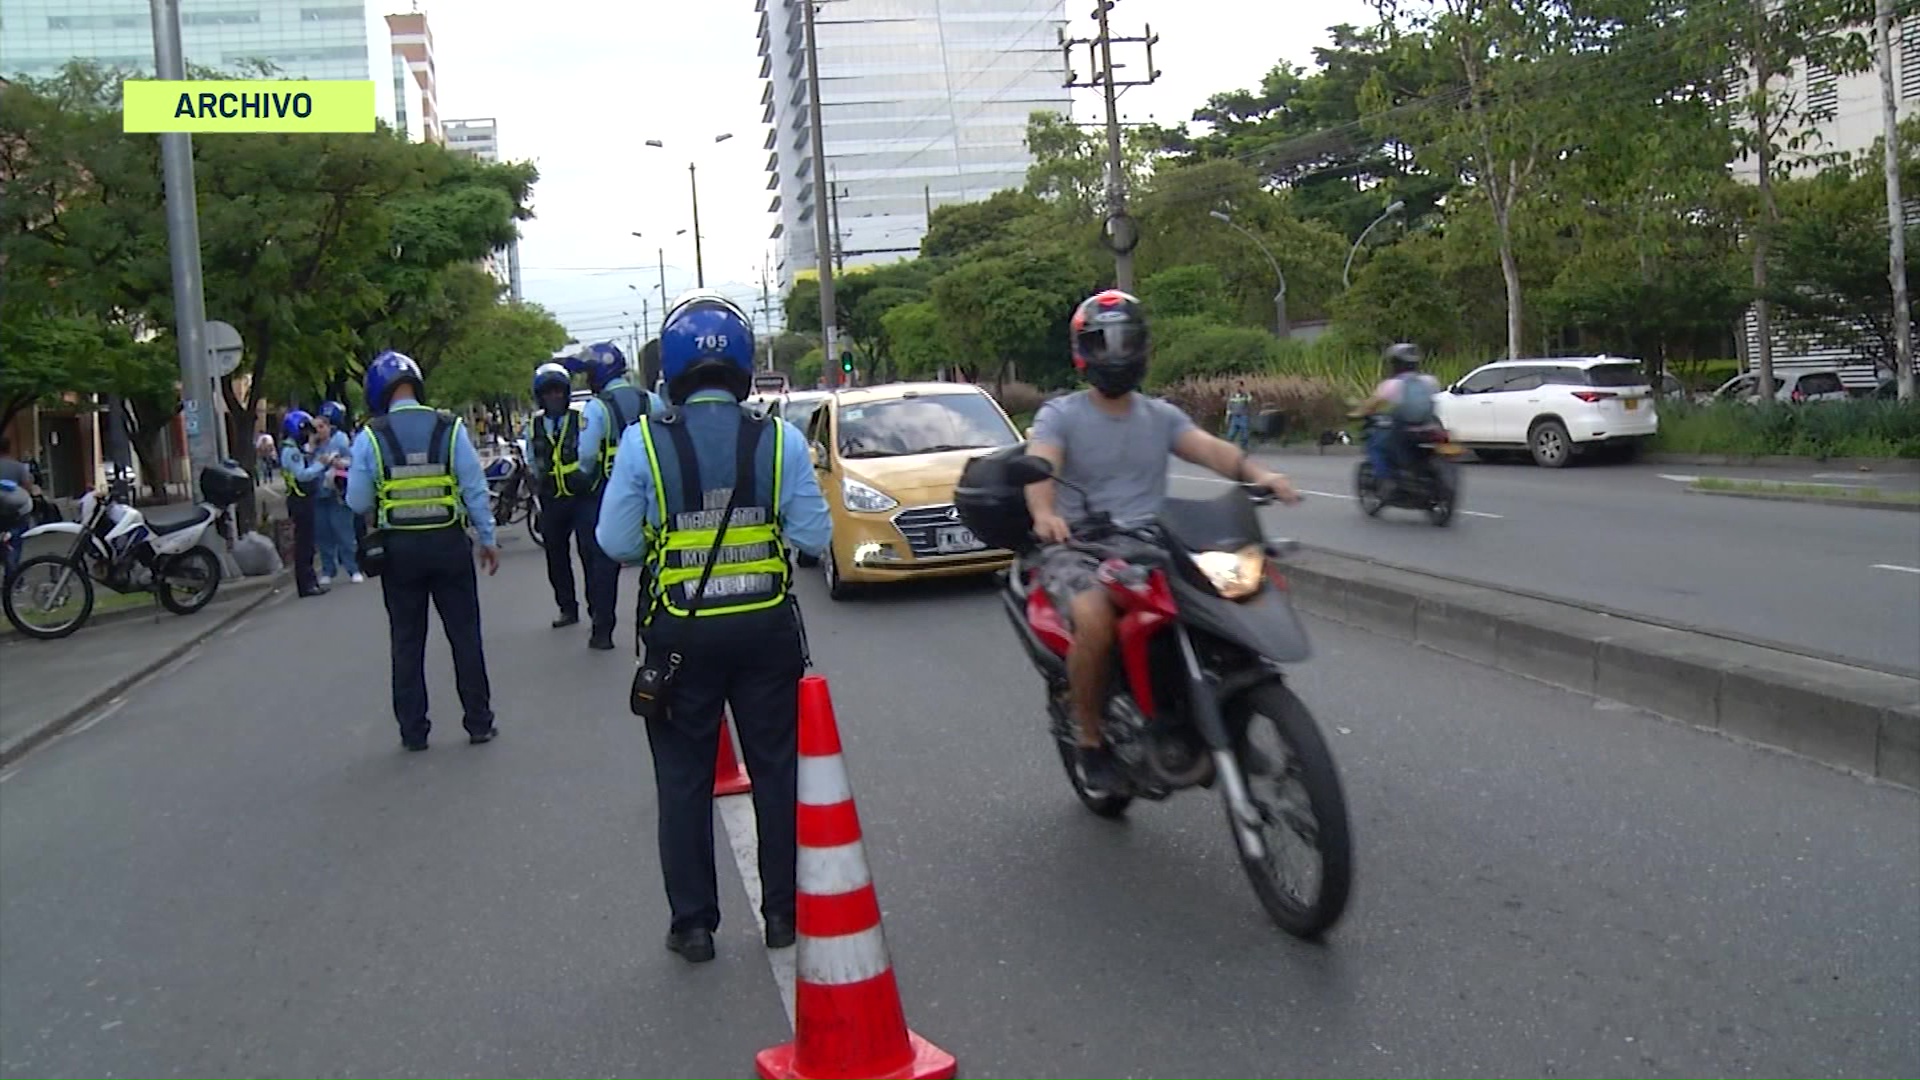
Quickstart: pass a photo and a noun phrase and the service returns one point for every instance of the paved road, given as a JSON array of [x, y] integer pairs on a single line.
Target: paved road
[[223, 880], [1843, 582]]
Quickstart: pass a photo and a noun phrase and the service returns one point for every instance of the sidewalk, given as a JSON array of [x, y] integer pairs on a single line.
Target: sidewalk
[[46, 686]]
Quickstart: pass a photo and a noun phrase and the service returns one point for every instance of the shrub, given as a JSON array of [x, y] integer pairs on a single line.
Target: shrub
[[1309, 405], [1202, 348], [1816, 429], [1018, 398]]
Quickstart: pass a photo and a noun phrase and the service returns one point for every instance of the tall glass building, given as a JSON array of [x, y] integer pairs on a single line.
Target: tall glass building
[[313, 39], [923, 102]]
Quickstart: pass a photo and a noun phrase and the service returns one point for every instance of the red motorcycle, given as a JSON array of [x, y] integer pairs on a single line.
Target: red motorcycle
[[1199, 695]]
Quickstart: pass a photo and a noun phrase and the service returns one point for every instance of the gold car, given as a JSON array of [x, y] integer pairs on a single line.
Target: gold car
[[888, 459]]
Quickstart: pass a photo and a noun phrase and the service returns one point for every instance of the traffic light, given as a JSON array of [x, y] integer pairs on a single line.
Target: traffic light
[[846, 362]]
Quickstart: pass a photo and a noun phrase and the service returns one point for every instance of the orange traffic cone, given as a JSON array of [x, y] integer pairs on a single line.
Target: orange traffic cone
[[847, 1017], [728, 777]]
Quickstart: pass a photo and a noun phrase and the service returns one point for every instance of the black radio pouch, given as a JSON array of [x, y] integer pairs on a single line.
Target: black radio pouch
[[653, 680]]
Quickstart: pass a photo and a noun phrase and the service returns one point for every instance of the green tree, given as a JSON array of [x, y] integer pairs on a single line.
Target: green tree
[[1194, 289], [492, 356], [917, 338]]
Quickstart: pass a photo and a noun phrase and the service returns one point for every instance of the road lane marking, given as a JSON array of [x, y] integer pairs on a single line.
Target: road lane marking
[[1902, 569], [1679, 478], [743, 836], [1323, 494], [1484, 514]]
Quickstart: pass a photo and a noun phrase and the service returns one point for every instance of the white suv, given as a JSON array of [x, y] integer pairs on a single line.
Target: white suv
[[1551, 409]]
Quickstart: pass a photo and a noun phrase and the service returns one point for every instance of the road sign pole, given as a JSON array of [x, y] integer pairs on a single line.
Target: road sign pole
[[183, 249]]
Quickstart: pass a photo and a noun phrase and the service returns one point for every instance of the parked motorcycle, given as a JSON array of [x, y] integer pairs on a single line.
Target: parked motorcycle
[[128, 551], [1199, 697], [1430, 483], [511, 486]]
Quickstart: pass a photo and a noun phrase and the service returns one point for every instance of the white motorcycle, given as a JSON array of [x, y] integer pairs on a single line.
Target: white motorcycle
[[128, 551]]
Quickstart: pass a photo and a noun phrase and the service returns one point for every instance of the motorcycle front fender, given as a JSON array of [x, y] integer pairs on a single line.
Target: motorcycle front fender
[[54, 527]]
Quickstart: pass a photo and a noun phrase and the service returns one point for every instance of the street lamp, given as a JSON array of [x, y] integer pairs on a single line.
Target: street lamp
[[693, 180], [1280, 328], [1346, 274]]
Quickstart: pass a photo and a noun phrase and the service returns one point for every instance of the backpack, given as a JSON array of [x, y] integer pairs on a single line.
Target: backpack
[[1416, 400]]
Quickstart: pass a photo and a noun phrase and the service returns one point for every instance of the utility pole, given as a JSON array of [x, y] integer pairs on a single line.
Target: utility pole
[[666, 302], [766, 311], [699, 268], [1120, 236], [926, 192], [183, 251], [839, 244], [1896, 213], [1769, 213], [829, 332]]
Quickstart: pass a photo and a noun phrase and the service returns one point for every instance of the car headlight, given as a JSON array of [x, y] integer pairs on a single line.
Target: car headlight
[[859, 496], [1233, 574]]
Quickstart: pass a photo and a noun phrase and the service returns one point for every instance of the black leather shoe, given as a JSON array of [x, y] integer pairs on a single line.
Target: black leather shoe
[[414, 747], [780, 932], [694, 946], [486, 736], [603, 642], [566, 619], [317, 590]]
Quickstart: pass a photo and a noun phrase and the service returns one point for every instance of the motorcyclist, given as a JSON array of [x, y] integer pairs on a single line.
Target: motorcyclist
[[1112, 443], [1407, 396]]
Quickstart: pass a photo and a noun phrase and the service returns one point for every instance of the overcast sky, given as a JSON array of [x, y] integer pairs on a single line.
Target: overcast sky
[[578, 86]]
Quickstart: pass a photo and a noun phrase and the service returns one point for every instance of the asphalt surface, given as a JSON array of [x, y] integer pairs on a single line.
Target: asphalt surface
[[238, 873], [1837, 581]]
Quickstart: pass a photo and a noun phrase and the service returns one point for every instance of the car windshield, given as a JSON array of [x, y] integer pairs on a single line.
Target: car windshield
[[923, 425], [1616, 375], [799, 413]]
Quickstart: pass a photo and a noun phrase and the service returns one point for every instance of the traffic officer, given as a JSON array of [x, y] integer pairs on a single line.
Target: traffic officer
[[416, 470], [616, 404], [719, 618], [555, 443], [304, 473]]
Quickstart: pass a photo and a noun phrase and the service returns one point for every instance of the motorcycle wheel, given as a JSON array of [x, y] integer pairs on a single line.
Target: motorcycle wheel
[[1298, 796], [197, 565], [1367, 487], [1446, 493], [1106, 806], [21, 584]]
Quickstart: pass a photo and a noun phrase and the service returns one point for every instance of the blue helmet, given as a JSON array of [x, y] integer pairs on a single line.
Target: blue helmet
[[297, 425], [603, 362], [387, 371], [706, 334], [335, 413], [551, 375]]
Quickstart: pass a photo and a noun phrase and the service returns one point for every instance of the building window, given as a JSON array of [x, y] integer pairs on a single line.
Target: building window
[[219, 18], [1823, 91], [1910, 57], [323, 14]]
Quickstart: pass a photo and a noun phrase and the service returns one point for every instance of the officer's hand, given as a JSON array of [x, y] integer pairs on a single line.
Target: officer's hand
[[1051, 529], [489, 559]]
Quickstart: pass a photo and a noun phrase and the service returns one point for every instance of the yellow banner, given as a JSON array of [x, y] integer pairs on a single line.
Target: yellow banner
[[240, 106]]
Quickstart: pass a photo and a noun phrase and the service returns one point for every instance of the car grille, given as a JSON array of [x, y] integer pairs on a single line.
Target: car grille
[[920, 523]]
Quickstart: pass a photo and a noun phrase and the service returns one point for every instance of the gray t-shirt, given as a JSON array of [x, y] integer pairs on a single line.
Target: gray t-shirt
[[15, 470], [1121, 461]]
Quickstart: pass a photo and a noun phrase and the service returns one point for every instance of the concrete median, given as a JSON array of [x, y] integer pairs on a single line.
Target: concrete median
[[1858, 718]]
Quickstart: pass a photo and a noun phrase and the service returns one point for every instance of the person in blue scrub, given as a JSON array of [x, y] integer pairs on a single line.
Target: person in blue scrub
[[416, 471], [605, 417], [721, 603]]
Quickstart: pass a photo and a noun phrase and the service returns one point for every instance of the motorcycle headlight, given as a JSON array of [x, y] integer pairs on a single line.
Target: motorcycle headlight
[[1234, 575], [859, 496]]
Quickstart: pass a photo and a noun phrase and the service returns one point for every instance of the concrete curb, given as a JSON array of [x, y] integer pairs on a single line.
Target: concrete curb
[[1858, 719], [1863, 465], [1778, 496], [18, 746], [146, 610]]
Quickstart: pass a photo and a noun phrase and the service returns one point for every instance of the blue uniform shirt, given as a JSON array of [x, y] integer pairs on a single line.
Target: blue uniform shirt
[[412, 424], [593, 429], [337, 443], [628, 508], [295, 463]]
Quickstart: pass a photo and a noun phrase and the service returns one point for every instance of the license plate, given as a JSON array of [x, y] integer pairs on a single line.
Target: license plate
[[1447, 450], [1632, 403], [956, 539]]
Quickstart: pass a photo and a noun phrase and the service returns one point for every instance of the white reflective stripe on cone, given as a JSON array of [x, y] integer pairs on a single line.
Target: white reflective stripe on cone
[[830, 871], [844, 959], [823, 781]]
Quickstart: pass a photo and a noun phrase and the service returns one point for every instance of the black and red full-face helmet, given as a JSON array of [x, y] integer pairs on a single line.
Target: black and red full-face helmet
[[1110, 345]]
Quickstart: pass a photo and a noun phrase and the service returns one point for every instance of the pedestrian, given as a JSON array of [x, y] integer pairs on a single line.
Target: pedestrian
[[333, 519], [263, 456], [617, 404], [1239, 428], [304, 474], [416, 470], [563, 490], [713, 496]]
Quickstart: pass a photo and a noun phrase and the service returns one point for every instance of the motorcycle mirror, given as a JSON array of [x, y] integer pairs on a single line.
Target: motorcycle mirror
[[1029, 469]]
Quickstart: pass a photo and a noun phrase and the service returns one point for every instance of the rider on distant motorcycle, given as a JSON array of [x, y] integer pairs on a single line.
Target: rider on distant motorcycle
[[1113, 444], [1407, 394]]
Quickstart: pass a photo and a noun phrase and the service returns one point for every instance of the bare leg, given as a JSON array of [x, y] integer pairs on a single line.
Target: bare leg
[[1088, 661]]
